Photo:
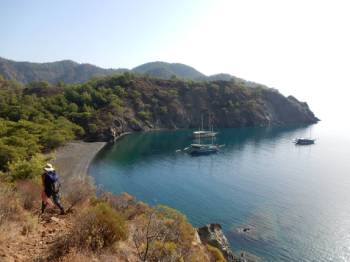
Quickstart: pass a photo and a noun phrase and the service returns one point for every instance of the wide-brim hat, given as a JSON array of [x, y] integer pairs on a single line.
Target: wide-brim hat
[[48, 167]]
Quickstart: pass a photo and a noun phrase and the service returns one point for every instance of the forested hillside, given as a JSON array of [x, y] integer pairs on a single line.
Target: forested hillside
[[39, 117]]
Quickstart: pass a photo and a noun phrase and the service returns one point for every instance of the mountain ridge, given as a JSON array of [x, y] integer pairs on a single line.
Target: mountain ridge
[[71, 72]]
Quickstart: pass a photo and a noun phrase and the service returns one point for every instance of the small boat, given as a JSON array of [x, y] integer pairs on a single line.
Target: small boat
[[304, 141], [197, 149]]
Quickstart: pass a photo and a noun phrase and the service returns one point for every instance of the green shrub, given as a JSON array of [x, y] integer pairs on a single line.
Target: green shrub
[[171, 227], [26, 169], [10, 207], [144, 115], [163, 109], [120, 91], [92, 128], [173, 93], [98, 227], [135, 94], [161, 251], [179, 229], [216, 254]]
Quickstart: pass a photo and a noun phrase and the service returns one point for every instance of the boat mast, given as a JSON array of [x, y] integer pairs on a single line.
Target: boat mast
[[202, 121], [199, 138], [212, 129]]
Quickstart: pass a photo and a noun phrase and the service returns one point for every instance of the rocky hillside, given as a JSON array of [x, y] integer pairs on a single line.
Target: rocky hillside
[[69, 71], [146, 103]]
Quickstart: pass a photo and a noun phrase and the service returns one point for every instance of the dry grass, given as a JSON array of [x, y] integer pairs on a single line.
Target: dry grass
[[29, 192], [78, 256], [78, 190], [29, 224], [10, 206], [126, 205]]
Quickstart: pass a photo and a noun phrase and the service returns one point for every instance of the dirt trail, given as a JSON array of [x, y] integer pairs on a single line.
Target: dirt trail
[[35, 245]]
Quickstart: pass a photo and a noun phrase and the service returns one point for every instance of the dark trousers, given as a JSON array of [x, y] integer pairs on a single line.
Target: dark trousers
[[56, 199]]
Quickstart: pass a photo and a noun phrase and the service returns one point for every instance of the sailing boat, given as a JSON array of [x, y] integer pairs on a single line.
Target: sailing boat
[[203, 149], [201, 133], [305, 141]]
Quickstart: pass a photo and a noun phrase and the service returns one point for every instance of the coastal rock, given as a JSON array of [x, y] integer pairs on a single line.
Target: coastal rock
[[212, 234]]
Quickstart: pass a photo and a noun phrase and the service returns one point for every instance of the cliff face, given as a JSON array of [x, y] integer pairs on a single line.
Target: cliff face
[[285, 110]]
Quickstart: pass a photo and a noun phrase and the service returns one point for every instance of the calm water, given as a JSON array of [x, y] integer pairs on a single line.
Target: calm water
[[295, 198]]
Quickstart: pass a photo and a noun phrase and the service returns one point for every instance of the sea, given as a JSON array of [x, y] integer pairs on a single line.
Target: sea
[[274, 199]]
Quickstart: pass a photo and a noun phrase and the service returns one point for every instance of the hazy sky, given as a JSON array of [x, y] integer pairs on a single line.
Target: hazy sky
[[300, 47]]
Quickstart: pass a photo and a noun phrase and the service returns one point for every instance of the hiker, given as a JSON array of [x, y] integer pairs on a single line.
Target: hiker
[[51, 188]]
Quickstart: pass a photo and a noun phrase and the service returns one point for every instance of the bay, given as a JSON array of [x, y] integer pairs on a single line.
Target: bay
[[294, 199]]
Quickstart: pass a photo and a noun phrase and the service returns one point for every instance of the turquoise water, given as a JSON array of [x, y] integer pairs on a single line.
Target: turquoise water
[[294, 198]]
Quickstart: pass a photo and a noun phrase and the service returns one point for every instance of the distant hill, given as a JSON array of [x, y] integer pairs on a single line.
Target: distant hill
[[168, 70], [72, 72], [67, 71]]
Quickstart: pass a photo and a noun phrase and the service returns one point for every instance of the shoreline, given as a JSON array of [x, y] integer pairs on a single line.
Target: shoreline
[[73, 159]]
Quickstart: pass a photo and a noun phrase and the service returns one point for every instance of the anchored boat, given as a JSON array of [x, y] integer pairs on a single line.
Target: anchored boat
[[197, 149], [304, 141], [203, 149]]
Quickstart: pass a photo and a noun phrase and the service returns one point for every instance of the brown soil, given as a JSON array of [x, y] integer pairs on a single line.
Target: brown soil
[[35, 246]]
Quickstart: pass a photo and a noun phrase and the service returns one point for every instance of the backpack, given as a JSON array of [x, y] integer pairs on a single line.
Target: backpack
[[53, 182]]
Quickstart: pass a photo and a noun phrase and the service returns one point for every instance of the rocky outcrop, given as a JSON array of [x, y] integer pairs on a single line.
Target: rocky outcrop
[[213, 235], [286, 110]]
